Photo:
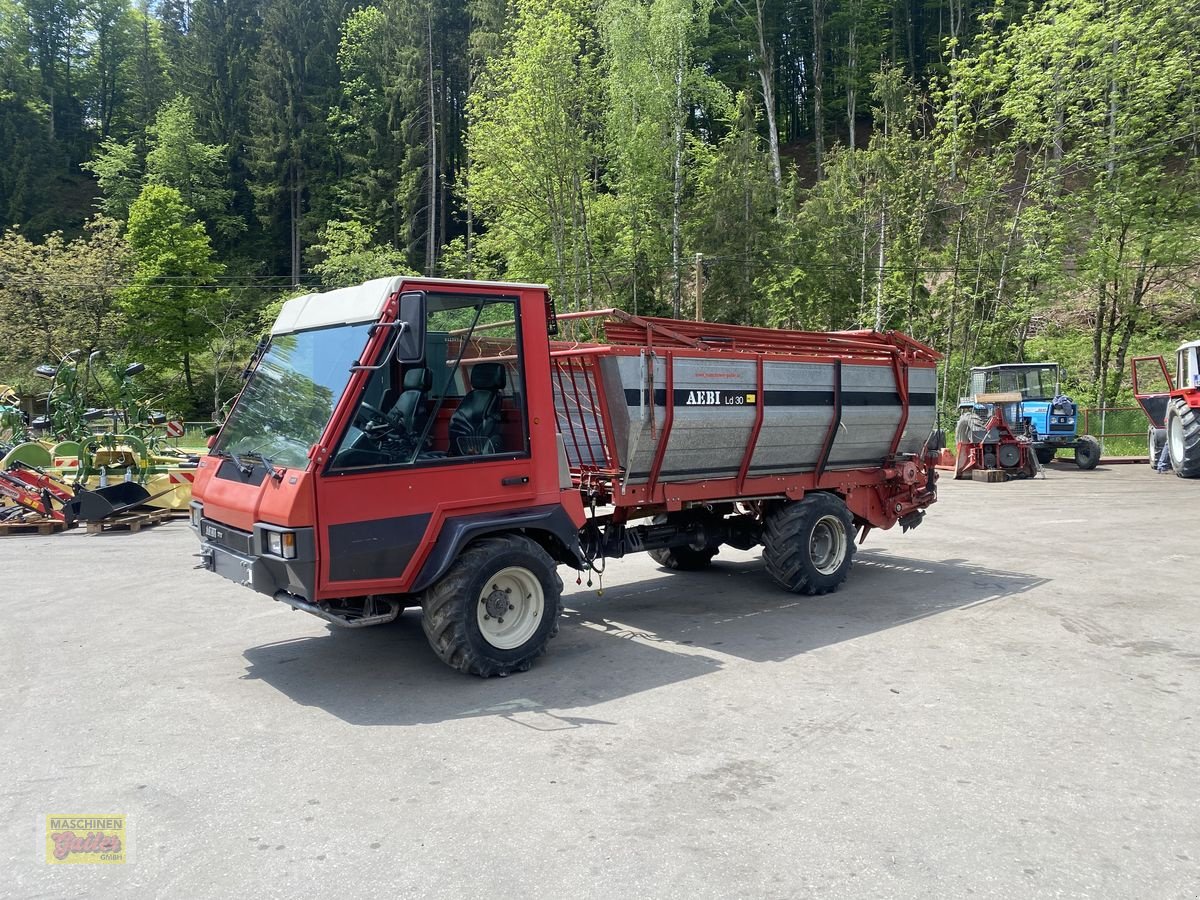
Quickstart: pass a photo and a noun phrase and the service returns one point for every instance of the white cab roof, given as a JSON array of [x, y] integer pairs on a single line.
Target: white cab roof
[[361, 303]]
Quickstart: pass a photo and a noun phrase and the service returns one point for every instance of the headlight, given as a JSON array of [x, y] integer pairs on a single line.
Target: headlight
[[197, 513], [282, 544]]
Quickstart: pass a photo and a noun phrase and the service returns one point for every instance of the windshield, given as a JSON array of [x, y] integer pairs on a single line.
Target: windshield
[[288, 400], [1034, 382]]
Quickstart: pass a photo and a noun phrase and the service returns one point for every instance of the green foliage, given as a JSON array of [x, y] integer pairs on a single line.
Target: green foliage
[[60, 295], [345, 256], [171, 301]]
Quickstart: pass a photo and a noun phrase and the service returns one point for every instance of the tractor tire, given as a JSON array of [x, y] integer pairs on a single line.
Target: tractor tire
[[1087, 452], [808, 545], [1155, 438], [1045, 455], [682, 558], [463, 615], [1183, 438]]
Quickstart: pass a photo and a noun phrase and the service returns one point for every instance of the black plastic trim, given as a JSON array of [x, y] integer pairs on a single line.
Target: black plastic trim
[[459, 531]]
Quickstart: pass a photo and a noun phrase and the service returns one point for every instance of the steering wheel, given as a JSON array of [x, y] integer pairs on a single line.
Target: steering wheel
[[375, 423]]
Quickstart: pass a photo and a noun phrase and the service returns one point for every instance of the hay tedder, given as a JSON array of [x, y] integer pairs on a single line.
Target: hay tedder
[[1172, 405]]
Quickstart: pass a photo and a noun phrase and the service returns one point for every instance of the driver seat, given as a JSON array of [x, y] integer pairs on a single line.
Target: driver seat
[[475, 424], [411, 405]]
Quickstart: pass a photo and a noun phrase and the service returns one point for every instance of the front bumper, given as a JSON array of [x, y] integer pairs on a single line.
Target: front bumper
[[241, 557]]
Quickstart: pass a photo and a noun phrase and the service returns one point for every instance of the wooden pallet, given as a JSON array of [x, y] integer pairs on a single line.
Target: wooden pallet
[[32, 526], [989, 476], [130, 522]]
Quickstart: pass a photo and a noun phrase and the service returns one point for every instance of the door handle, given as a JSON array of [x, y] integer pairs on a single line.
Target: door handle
[[514, 480]]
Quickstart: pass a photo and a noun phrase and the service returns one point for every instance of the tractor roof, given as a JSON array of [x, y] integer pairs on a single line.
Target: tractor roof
[[1030, 365], [361, 303], [1188, 346]]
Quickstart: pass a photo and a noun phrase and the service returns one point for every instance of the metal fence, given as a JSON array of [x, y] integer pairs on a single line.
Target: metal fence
[[1121, 430]]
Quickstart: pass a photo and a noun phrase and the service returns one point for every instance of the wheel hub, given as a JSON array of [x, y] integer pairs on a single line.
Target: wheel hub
[[496, 603]]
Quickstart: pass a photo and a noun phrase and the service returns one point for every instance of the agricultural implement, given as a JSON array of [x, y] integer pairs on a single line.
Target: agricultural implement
[[1042, 413], [1172, 405], [985, 442], [422, 442]]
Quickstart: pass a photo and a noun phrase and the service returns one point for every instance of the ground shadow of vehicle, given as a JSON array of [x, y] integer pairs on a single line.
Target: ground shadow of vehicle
[[635, 638]]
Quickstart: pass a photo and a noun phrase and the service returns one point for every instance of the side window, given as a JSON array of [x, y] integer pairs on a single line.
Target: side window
[[464, 401]]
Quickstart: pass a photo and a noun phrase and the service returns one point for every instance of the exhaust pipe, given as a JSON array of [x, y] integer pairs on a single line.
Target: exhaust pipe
[[337, 618]]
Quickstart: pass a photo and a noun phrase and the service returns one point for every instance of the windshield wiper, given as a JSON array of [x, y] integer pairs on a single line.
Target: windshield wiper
[[267, 462], [242, 467]]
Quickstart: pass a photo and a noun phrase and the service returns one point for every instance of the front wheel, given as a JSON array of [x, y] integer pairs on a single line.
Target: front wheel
[[1087, 453], [496, 608], [808, 545], [1045, 455]]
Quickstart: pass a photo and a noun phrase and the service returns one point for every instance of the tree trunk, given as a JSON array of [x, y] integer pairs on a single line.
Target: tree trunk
[[818, 8], [766, 75], [433, 174], [677, 189]]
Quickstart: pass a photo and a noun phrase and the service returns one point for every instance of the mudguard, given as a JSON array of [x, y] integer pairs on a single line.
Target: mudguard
[[542, 521]]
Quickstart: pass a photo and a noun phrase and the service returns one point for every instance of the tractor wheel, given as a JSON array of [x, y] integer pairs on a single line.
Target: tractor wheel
[[1087, 452], [1183, 438], [808, 545], [683, 558], [1155, 438], [496, 608], [1045, 455]]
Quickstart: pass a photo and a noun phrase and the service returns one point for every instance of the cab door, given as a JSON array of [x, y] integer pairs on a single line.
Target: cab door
[[443, 437]]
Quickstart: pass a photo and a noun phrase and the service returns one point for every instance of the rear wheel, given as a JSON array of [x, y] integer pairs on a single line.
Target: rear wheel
[[1183, 438], [1046, 454], [1087, 452], [496, 608], [808, 545], [1155, 438]]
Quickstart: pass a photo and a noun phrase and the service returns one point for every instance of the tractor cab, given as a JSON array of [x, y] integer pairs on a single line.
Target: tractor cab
[[1044, 414]]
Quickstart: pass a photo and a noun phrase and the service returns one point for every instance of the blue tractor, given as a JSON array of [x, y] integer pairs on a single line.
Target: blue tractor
[[1049, 417]]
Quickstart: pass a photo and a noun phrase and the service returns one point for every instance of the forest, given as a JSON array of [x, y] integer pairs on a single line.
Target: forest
[[1009, 180]]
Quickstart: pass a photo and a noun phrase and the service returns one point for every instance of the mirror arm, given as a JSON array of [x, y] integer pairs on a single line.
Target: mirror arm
[[401, 326]]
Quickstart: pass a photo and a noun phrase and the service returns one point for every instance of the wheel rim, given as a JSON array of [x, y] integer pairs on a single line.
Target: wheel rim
[[827, 545], [510, 608], [1175, 437]]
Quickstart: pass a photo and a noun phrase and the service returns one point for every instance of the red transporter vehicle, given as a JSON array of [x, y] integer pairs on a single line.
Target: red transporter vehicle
[[421, 442]]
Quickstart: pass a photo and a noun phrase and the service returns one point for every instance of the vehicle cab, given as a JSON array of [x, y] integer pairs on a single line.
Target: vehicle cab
[[380, 427]]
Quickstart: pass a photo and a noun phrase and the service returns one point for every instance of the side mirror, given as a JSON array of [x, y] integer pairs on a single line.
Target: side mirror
[[410, 342]]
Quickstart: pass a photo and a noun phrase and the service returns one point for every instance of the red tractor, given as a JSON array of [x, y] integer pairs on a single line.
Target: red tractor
[[423, 442], [1173, 407]]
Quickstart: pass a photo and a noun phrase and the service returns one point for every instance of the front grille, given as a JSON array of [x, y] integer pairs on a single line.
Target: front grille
[[224, 536]]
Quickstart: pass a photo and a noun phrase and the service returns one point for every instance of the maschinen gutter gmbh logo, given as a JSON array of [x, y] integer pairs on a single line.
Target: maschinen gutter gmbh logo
[[85, 839]]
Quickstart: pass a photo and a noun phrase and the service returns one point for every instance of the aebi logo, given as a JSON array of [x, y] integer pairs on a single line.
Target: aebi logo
[[719, 398]]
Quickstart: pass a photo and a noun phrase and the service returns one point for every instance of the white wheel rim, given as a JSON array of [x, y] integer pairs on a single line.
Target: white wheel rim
[[510, 608], [1175, 438], [827, 545]]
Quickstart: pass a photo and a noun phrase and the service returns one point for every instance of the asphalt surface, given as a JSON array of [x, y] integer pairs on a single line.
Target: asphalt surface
[[1002, 703]]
